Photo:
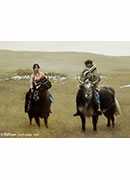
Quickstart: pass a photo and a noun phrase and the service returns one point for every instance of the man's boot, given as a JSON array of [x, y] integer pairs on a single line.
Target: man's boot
[[76, 114]]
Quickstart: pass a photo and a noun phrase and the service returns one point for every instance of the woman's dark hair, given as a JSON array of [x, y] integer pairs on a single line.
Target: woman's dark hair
[[88, 62], [36, 66]]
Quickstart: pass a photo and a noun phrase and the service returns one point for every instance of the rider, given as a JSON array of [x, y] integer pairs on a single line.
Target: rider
[[90, 73], [36, 77]]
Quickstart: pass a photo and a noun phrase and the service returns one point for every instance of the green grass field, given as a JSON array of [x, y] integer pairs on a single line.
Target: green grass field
[[14, 121]]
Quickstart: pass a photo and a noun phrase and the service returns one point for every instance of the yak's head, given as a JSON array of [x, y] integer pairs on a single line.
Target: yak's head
[[87, 88]]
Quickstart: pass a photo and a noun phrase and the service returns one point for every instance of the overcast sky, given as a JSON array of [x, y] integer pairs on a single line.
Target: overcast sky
[[107, 48]]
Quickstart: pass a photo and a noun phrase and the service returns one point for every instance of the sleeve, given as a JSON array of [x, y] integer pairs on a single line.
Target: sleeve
[[82, 76], [97, 78]]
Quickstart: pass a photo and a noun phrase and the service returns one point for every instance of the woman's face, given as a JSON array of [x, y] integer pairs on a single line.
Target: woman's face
[[36, 70]]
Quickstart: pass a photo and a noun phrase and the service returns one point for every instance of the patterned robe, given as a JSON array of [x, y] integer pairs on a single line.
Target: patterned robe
[[92, 75]]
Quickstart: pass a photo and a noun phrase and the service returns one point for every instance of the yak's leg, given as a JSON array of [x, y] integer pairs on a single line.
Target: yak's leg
[[46, 121], [94, 120], [113, 121], [108, 122], [37, 121], [83, 121], [108, 119], [30, 118]]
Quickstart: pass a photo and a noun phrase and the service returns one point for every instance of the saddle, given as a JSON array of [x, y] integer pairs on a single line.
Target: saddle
[[44, 84]]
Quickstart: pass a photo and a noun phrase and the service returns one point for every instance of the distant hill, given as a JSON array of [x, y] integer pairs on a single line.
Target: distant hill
[[66, 62]]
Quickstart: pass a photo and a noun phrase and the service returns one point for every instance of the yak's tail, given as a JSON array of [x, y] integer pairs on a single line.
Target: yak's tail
[[118, 108]]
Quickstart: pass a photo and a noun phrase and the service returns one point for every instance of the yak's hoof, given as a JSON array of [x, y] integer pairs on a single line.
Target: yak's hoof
[[108, 125], [83, 129], [38, 125]]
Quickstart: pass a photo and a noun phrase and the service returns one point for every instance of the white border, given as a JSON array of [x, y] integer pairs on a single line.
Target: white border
[[64, 159], [68, 20]]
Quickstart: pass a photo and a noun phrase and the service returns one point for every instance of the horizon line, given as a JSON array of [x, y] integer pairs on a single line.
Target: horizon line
[[65, 51]]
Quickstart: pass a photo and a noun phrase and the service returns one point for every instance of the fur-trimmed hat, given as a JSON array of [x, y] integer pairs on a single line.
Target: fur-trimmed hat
[[89, 61]]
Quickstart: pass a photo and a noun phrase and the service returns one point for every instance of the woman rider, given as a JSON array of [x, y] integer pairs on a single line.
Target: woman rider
[[36, 77]]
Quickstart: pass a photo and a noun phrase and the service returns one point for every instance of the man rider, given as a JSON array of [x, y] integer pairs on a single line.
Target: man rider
[[91, 74]]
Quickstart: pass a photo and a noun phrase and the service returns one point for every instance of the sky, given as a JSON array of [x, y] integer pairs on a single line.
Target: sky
[[119, 48]]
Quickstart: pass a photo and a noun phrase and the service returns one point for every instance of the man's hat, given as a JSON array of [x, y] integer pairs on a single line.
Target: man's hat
[[88, 62]]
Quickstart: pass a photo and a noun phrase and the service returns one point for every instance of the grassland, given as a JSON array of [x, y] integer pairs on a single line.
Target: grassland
[[61, 123]]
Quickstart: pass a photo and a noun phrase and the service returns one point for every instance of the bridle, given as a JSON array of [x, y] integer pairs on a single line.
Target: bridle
[[87, 87]]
